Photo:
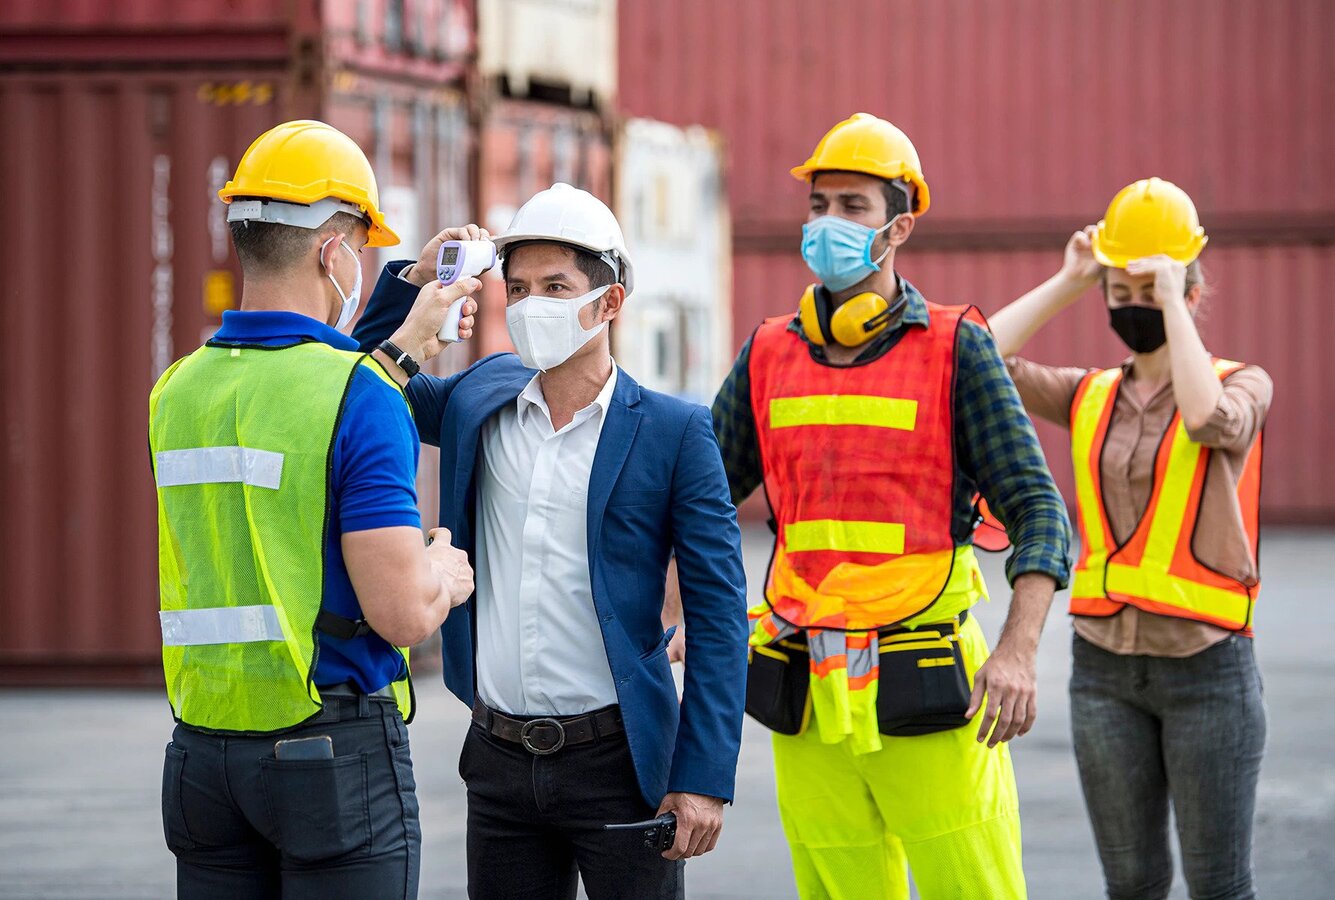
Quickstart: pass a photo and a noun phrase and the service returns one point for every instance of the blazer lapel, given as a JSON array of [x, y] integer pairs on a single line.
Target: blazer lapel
[[623, 420]]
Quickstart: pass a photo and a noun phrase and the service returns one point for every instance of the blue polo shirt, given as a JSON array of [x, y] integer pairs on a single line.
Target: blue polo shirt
[[373, 485]]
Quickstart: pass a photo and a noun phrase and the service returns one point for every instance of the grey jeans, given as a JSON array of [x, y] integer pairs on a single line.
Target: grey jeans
[[1150, 730]]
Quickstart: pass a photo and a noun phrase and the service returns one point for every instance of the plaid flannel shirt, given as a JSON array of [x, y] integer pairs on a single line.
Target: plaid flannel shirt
[[997, 452]]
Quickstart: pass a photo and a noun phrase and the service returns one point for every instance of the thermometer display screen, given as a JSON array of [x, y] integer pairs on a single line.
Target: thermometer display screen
[[450, 257]]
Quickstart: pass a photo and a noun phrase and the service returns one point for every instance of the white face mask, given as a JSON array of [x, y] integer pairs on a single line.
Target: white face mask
[[546, 330], [350, 301]]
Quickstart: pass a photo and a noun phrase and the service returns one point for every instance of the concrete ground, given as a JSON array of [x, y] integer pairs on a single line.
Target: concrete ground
[[81, 770]]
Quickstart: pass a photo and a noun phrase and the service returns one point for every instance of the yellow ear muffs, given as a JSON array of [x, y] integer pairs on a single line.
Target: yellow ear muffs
[[859, 319], [856, 321], [815, 316]]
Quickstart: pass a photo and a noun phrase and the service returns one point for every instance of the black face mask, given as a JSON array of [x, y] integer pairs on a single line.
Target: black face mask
[[1139, 327]]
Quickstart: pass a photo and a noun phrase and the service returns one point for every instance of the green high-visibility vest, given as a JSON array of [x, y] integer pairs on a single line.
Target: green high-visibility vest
[[242, 443]]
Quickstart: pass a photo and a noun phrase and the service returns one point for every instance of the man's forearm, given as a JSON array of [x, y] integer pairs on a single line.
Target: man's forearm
[[1030, 600]]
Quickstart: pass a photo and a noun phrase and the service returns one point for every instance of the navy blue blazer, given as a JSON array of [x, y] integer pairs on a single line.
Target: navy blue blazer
[[657, 487]]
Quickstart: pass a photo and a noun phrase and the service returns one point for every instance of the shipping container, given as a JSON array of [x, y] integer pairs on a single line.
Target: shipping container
[[1266, 307], [124, 264], [124, 120], [121, 246], [525, 147], [545, 50], [1028, 115], [675, 333], [427, 41]]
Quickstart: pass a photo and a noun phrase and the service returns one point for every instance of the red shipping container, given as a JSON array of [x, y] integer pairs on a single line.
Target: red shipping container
[[1266, 308], [1028, 114], [124, 265], [426, 40], [121, 232]]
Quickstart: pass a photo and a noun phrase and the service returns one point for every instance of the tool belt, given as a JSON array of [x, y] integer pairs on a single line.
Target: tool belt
[[923, 687]]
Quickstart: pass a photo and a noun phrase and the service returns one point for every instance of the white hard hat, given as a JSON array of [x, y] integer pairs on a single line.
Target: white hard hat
[[567, 215]]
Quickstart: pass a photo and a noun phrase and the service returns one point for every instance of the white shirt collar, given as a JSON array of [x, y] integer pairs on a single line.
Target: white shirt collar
[[532, 397]]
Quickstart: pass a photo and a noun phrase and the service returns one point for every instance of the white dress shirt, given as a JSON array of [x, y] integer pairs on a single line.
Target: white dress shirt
[[539, 646]]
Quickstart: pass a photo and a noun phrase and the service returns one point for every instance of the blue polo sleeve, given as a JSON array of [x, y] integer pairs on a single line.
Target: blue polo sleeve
[[375, 458]]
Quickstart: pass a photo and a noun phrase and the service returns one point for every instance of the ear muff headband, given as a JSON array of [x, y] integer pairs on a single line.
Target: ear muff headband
[[815, 315]]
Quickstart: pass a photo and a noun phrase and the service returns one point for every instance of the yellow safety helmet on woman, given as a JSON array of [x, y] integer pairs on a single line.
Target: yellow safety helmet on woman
[[1147, 218], [871, 146], [301, 173]]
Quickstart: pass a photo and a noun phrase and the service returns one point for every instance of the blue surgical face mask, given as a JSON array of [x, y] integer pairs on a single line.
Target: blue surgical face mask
[[838, 251]]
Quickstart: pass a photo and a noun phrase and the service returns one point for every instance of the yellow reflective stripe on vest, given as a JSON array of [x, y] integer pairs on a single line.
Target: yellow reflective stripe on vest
[[850, 537], [1174, 495], [1182, 593], [1089, 505], [836, 409], [1088, 582], [222, 625], [220, 465]]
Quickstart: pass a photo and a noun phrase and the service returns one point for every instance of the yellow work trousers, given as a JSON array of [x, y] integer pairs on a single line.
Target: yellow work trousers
[[941, 805]]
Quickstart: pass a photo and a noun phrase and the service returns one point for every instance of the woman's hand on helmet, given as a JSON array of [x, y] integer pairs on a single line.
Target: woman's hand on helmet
[[1079, 264], [1170, 277]]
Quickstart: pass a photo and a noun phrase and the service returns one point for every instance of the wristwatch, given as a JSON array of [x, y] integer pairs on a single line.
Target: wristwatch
[[401, 359]]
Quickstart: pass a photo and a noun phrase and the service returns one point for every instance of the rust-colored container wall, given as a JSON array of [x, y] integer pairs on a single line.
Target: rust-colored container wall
[[1027, 111], [1029, 116], [1267, 307], [120, 246]]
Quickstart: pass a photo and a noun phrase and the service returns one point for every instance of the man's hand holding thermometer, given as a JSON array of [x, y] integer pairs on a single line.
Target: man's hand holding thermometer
[[422, 334], [461, 260]]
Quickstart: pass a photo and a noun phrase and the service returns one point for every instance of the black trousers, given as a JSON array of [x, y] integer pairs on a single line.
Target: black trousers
[[244, 825], [535, 823]]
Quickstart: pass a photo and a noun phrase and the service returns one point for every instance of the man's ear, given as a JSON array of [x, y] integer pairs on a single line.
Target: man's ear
[[900, 231], [326, 245], [610, 303]]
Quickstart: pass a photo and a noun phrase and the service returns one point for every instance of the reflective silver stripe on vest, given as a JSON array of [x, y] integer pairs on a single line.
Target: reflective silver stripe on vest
[[220, 465], [225, 625]]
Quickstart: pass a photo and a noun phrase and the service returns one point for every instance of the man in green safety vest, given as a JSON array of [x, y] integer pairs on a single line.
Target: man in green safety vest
[[292, 567]]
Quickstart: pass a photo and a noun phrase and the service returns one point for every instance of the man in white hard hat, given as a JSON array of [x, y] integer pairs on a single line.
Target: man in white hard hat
[[570, 487]]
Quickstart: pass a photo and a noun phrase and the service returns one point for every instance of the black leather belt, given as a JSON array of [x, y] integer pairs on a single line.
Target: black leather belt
[[544, 735], [347, 690]]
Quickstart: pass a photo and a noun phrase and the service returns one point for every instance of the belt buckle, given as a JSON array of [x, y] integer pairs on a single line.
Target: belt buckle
[[526, 732]]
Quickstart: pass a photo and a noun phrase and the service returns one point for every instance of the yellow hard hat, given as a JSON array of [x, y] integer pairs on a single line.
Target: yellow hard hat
[[1149, 217], [872, 146], [306, 164]]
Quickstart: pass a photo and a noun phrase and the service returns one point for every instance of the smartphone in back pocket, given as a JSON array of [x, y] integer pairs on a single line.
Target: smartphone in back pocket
[[319, 747]]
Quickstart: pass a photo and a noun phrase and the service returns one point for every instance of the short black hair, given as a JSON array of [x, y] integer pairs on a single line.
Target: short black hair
[[268, 247], [898, 196], [590, 264]]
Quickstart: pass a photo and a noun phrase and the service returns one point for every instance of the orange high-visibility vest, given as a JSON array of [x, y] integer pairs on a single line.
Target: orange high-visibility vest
[[1156, 568], [859, 470]]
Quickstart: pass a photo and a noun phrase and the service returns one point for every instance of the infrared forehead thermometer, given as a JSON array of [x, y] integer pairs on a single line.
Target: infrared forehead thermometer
[[461, 259]]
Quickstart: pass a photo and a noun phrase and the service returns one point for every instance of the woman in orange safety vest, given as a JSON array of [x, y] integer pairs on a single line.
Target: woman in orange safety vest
[[1165, 695]]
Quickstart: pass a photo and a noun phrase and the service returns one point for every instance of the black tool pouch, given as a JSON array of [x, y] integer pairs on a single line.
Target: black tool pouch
[[923, 685], [778, 677]]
